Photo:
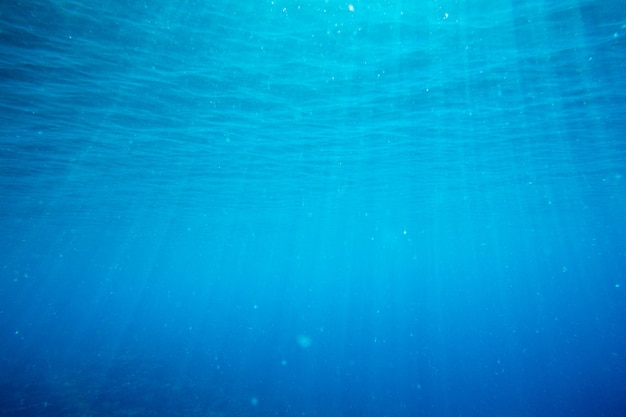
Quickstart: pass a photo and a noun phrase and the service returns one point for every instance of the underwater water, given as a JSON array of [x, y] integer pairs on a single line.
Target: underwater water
[[316, 209]]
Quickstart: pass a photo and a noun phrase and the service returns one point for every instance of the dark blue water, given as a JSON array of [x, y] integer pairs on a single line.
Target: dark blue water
[[313, 209]]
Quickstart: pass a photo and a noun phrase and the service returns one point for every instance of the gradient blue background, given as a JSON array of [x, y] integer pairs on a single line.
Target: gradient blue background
[[313, 209]]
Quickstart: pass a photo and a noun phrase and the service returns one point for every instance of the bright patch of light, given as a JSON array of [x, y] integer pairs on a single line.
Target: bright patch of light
[[304, 341]]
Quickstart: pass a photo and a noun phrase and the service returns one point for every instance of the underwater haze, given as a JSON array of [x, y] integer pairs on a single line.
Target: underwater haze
[[322, 208]]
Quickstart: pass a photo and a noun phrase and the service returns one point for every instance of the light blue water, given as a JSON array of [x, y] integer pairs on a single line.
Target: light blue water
[[317, 208]]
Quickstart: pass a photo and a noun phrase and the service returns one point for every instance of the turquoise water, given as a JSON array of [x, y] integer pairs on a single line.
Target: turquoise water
[[317, 208]]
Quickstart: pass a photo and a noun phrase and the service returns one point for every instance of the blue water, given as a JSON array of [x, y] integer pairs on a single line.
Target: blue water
[[313, 209]]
